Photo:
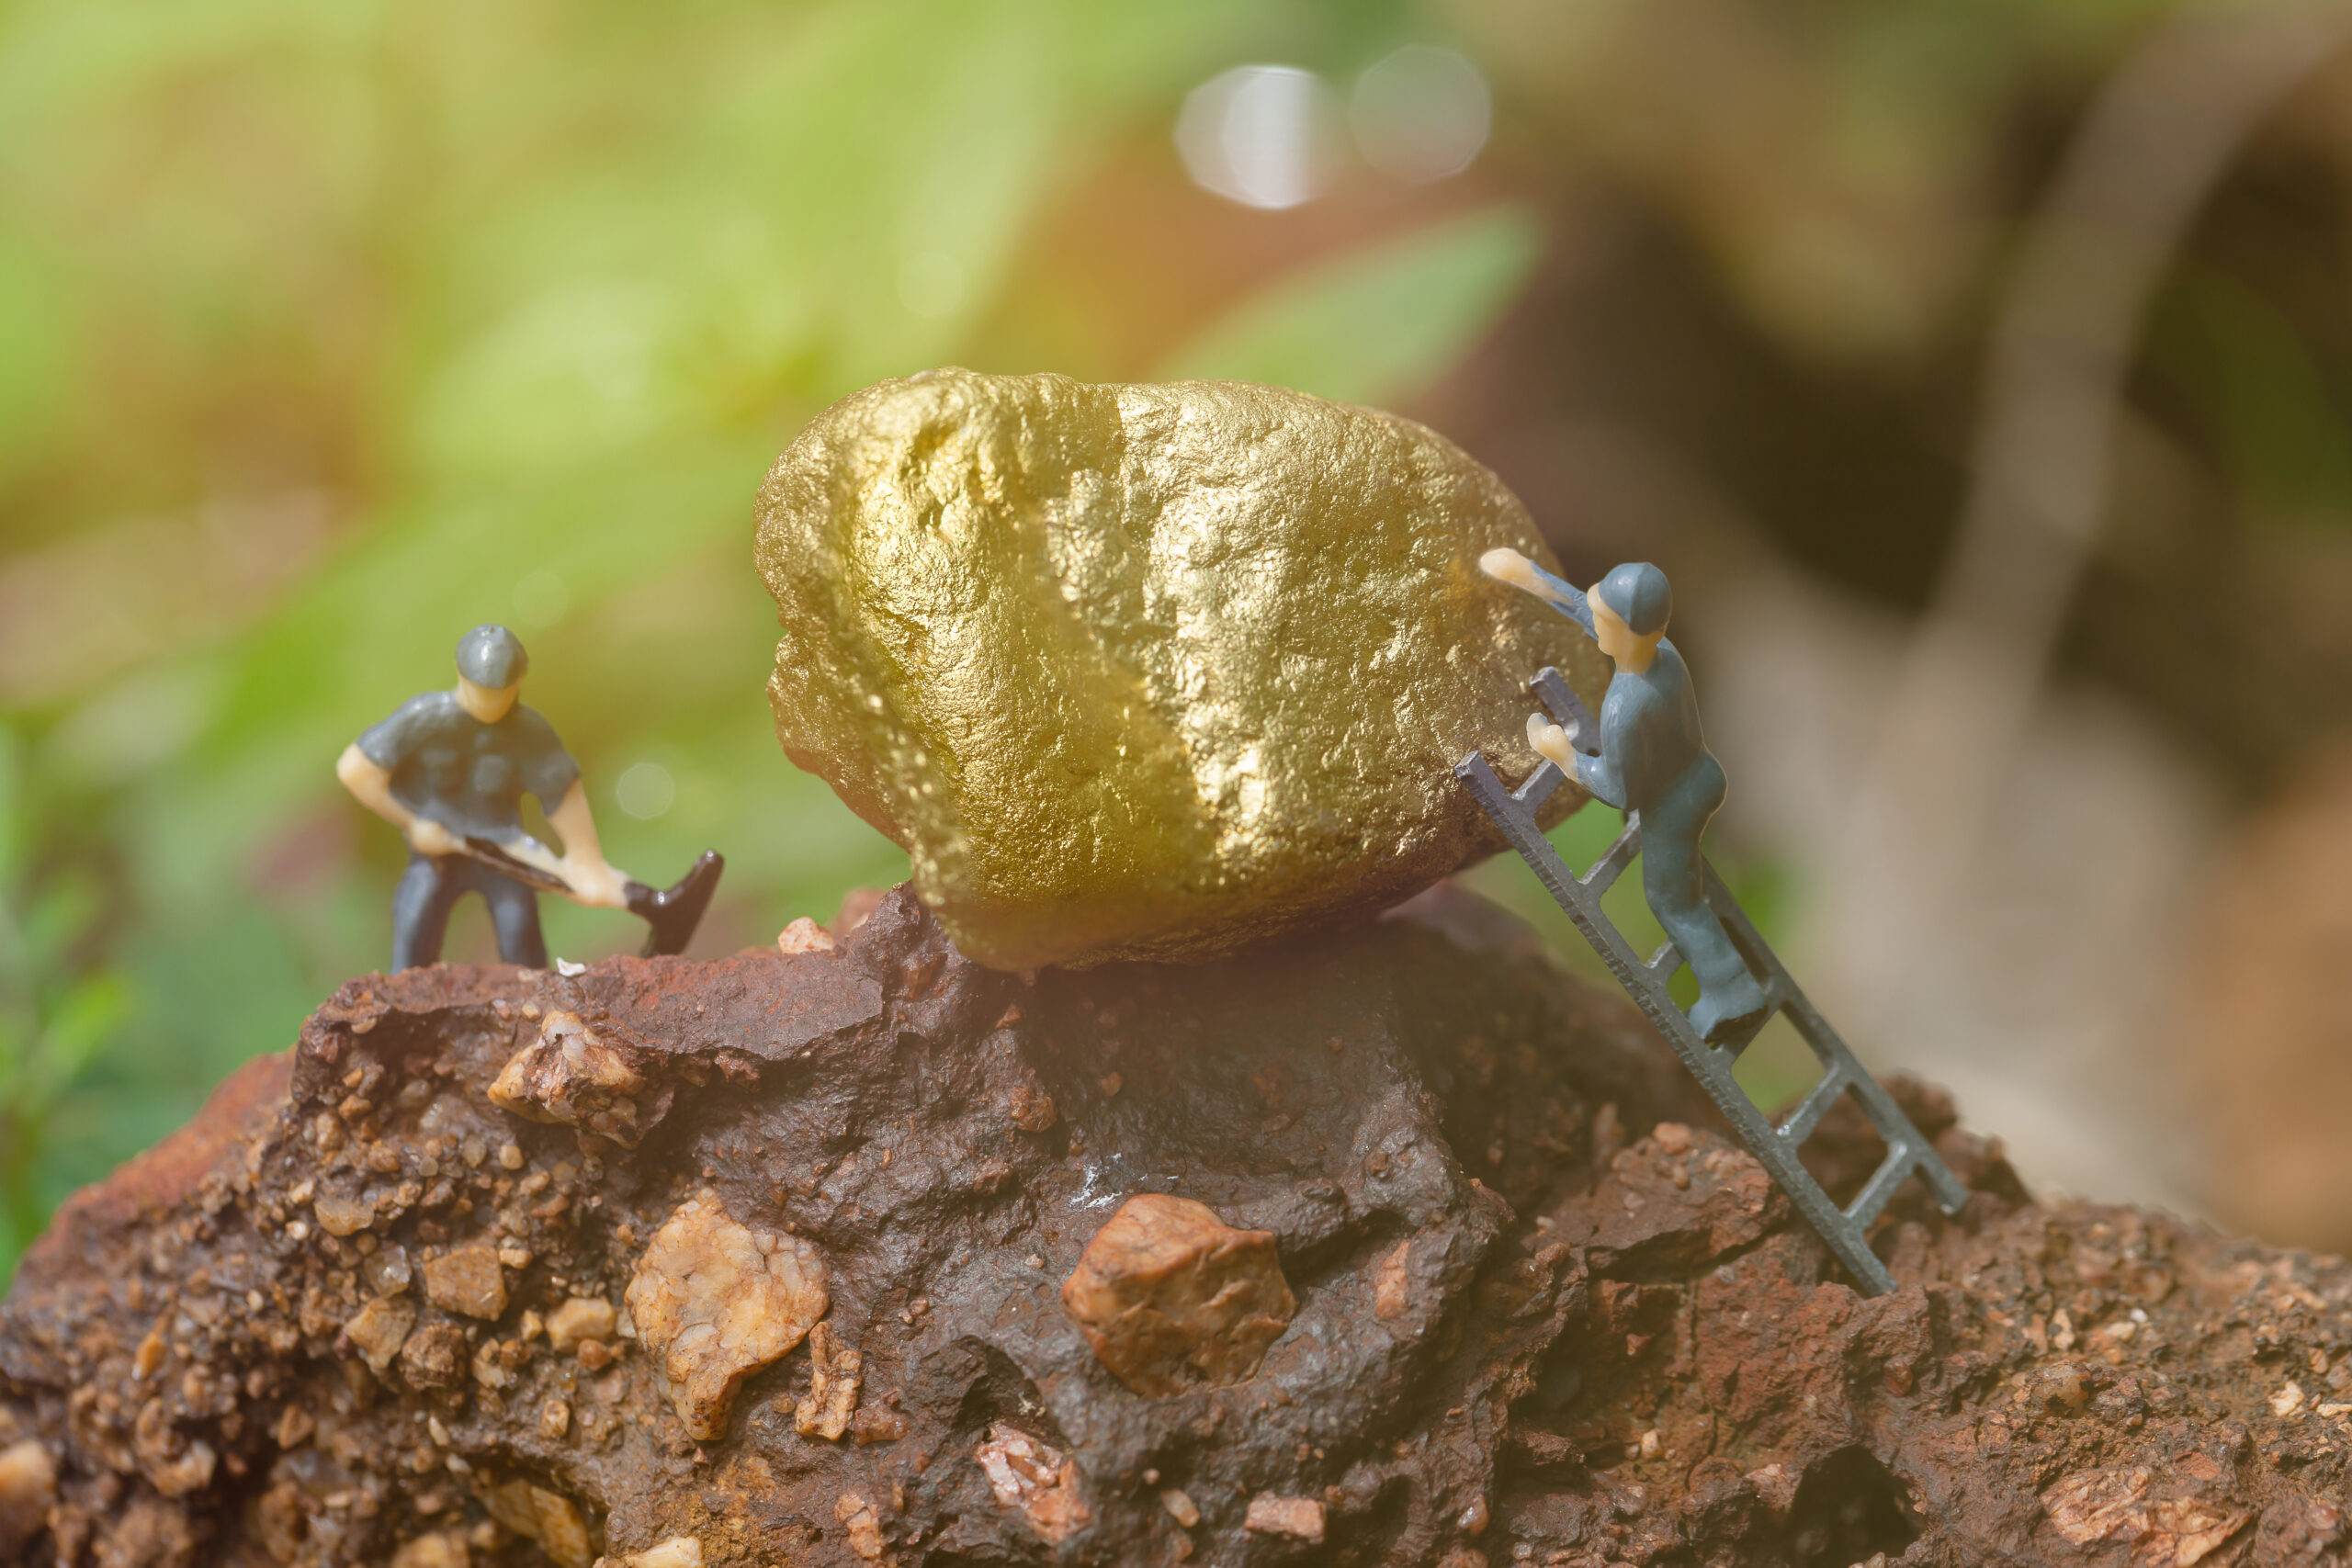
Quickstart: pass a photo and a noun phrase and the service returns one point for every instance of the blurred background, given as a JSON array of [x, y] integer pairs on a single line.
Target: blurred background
[[1981, 374]]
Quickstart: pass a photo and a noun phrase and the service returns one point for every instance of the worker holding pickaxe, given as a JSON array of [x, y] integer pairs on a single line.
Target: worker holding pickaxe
[[449, 770]]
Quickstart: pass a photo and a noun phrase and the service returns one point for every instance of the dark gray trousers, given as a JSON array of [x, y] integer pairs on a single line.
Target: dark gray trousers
[[430, 887], [1675, 885]]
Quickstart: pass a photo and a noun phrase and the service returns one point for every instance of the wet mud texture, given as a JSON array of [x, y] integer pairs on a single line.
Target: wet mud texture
[[1529, 1308]]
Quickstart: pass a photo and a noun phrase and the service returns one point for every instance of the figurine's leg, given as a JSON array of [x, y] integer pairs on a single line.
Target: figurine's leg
[[421, 906], [515, 911], [1674, 878]]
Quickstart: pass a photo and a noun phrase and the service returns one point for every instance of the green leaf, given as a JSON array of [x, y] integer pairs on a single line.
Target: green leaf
[[1381, 324]]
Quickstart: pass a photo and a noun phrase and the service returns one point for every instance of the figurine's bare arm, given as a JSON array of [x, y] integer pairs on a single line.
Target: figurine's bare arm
[[370, 782], [590, 876], [1507, 565]]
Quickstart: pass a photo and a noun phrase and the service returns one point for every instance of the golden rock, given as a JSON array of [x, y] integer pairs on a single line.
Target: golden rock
[[1150, 671]]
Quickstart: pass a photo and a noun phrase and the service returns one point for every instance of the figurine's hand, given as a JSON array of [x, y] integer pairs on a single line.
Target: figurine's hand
[[1551, 743], [595, 883], [1507, 565], [427, 837]]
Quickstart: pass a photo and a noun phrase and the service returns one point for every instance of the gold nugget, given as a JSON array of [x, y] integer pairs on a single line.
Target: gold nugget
[[1148, 672]]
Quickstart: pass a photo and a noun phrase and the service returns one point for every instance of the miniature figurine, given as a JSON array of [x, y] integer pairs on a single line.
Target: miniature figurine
[[1652, 760], [449, 770]]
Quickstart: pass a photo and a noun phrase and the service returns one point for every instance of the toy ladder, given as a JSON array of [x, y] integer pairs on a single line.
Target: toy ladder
[[1846, 1230]]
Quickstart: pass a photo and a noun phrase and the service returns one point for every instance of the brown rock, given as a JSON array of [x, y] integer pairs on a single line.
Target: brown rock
[[833, 1376], [1678, 1196], [467, 1280], [713, 1301], [1688, 1382], [435, 1356], [1033, 1476], [1171, 1296]]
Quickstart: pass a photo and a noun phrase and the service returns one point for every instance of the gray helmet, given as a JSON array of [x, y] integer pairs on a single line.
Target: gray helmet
[[1637, 594], [492, 656]]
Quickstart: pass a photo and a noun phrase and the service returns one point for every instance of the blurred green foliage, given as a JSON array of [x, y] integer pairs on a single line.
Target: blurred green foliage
[[329, 328], [329, 331]]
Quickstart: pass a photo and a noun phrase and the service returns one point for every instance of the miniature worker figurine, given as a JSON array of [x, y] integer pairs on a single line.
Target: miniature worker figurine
[[1653, 761], [449, 769]]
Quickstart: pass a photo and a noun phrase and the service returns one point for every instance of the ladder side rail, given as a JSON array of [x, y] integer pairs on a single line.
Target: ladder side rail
[[1520, 827], [1711, 1066], [1830, 1049]]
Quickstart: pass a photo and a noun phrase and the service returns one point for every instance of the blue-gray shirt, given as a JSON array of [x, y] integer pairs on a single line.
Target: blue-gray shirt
[[467, 776], [1649, 734]]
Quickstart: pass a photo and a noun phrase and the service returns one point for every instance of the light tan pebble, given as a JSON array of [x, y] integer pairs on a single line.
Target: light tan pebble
[[575, 1075], [1392, 1281], [835, 1371], [549, 1518], [712, 1305], [1179, 1506], [294, 1426], [510, 1157], [490, 1369], [28, 1491], [339, 1215], [513, 1255], [1031, 1474], [863, 1524], [678, 1552], [581, 1317], [555, 1419], [442, 1548], [804, 935], [1301, 1518], [1671, 1136], [533, 1324], [150, 1354], [381, 1329]]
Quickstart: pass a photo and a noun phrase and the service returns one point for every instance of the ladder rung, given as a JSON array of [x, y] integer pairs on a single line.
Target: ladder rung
[[1539, 786], [1814, 1106], [1611, 867], [1880, 1188], [1658, 964]]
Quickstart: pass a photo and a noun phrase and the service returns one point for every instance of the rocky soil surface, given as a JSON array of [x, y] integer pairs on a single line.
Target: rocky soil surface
[[1388, 1247]]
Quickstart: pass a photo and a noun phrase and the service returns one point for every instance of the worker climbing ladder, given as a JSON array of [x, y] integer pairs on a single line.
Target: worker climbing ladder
[[1645, 980]]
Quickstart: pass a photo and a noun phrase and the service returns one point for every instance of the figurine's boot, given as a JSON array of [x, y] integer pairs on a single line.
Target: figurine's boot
[[1728, 1008]]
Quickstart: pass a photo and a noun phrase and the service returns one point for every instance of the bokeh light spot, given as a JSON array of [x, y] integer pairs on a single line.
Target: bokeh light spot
[[1260, 135], [1421, 113], [645, 790]]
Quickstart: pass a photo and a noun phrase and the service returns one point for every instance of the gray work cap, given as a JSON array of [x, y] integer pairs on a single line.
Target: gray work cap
[[1637, 595], [492, 656]]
